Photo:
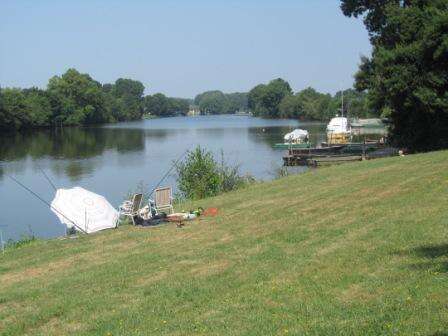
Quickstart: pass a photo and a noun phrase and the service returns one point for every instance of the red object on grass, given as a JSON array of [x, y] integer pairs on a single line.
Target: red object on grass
[[210, 212]]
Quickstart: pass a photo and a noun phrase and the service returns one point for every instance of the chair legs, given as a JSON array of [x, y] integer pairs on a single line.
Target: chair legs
[[167, 209]]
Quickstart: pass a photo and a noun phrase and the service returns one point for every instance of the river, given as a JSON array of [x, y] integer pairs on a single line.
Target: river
[[112, 160]]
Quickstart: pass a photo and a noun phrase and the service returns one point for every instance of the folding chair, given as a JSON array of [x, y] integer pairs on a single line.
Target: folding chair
[[164, 200], [130, 208]]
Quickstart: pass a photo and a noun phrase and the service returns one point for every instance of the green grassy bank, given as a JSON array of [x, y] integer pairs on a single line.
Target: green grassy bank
[[357, 249]]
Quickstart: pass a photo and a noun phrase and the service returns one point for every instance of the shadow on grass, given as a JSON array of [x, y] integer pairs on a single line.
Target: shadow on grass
[[434, 258], [432, 251]]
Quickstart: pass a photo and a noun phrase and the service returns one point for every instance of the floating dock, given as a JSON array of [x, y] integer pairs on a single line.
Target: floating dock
[[329, 155]]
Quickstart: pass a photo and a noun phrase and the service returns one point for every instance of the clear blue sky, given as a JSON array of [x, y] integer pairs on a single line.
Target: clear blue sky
[[182, 48]]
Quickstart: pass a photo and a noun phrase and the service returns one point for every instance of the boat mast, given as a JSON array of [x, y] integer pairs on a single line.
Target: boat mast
[[342, 104]]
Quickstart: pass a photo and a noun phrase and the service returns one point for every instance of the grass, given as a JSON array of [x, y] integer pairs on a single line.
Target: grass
[[357, 249], [23, 241]]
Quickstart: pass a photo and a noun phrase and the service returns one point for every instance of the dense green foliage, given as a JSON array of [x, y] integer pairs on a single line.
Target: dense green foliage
[[276, 100], [309, 254], [407, 75], [200, 175], [217, 102], [23, 108], [264, 100], [125, 99], [77, 99], [160, 105]]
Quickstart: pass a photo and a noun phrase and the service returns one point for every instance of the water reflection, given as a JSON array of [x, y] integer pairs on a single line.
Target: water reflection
[[73, 144], [70, 143]]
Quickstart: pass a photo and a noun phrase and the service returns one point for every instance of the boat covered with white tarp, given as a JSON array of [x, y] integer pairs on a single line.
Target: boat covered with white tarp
[[295, 139], [338, 125], [296, 136]]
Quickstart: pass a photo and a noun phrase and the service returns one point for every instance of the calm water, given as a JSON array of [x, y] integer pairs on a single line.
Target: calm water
[[112, 160]]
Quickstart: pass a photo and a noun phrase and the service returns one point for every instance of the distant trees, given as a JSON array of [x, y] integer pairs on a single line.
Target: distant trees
[[37, 107], [276, 100], [13, 113], [306, 104], [160, 105], [178, 106], [217, 102], [236, 101], [77, 99], [264, 100], [24, 108], [128, 96], [407, 75]]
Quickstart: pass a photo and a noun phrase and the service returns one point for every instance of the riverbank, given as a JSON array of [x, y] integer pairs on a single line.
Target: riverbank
[[353, 249]]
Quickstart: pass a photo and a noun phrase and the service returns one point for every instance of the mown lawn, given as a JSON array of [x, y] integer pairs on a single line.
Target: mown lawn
[[357, 249]]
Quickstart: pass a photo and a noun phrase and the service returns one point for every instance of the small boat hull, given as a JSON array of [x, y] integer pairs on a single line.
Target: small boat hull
[[292, 145], [341, 138]]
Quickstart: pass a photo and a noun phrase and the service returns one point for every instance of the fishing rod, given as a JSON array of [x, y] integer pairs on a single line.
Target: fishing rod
[[45, 202], [168, 172], [46, 177]]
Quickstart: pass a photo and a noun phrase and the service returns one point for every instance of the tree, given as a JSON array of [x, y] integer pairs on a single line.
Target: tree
[[129, 92], [291, 107], [315, 105], [217, 102], [37, 107], [236, 101], [212, 102], [77, 99], [157, 104], [74, 99], [407, 74], [178, 106], [255, 99], [13, 109], [264, 100]]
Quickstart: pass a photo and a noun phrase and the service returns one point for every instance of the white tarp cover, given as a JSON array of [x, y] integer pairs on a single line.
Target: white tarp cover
[[297, 134], [89, 211], [338, 125]]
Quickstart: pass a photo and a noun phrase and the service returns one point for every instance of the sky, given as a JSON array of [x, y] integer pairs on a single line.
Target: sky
[[182, 48]]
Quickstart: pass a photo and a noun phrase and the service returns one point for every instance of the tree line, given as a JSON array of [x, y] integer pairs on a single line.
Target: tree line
[[77, 99], [406, 77], [277, 100], [217, 102]]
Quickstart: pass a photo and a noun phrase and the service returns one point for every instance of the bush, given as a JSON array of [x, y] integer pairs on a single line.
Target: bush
[[200, 176], [230, 177]]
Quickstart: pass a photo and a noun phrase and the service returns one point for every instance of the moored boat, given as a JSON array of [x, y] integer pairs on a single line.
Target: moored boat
[[298, 138], [338, 131]]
